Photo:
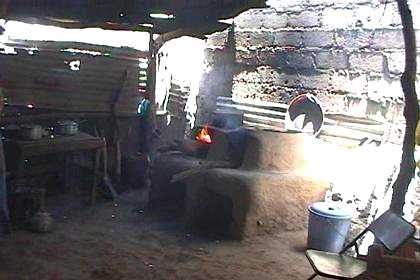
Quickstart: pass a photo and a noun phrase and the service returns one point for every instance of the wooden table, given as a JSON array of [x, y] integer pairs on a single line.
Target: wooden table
[[59, 144]]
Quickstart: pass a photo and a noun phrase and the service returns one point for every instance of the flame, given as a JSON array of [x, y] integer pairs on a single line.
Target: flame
[[204, 136]]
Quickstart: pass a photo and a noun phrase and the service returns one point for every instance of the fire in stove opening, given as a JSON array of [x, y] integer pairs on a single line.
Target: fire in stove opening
[[203, 135]]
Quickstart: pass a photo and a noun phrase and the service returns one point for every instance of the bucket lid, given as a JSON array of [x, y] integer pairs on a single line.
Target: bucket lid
[[331, 210]]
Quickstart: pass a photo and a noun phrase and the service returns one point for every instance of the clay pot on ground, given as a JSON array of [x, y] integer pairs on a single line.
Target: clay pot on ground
[[41, 222]]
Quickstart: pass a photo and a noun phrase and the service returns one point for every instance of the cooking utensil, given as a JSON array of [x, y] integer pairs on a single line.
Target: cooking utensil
[[31, 131], [66, 128], [106, 184]]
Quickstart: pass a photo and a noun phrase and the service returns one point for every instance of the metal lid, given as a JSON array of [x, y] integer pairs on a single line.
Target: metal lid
[[331, 210], [305, 109]]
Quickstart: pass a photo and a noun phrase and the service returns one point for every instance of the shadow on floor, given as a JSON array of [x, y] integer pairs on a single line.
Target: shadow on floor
[[124, 241]]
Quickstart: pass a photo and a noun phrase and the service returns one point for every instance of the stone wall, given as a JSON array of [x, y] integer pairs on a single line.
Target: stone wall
[[350, 53]]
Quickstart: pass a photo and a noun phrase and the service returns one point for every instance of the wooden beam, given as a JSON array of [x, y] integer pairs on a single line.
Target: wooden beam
[[116, 52], [188, 14], [198, 32], [4, 8]]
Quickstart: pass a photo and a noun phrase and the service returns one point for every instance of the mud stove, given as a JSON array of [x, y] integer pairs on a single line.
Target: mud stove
[[241, 181]]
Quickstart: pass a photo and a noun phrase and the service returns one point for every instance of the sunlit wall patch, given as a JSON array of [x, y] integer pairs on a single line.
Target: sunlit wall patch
[[162, 16], [73, 65]]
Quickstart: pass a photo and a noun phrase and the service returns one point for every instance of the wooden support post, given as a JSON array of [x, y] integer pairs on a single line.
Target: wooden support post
[[115, 121], [95, 177], [411, 111]]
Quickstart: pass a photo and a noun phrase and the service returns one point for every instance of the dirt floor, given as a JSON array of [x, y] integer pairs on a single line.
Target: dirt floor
[[121, 241]]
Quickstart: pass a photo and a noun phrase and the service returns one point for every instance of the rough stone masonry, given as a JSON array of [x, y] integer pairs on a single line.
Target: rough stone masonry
[[350, 53]]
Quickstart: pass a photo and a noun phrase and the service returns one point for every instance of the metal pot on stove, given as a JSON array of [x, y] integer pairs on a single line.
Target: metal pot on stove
[[66, 128]]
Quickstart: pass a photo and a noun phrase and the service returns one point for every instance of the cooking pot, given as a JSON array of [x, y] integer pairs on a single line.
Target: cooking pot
[[31, 131], [66, 128]]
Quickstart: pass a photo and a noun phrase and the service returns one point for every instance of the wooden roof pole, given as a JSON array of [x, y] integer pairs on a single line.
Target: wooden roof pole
[[411, 111], [151, 70], [151, 93], [4, 8]]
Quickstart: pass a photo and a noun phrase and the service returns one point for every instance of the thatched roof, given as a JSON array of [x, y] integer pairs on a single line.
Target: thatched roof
[[128, 14]]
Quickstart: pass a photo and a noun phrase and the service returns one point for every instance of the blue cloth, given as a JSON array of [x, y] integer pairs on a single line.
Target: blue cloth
[[144, 108]]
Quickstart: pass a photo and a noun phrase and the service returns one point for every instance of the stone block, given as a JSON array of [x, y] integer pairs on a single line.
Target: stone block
[[295, 61], [388, 39], [331, 60], [254, 39], [337, 3], [249, 90], [337, 18], [304, 19], [321, 2], [217, 39], [261, 18], [279, 91], [263, 74], [353, 39], [266, 80], [246, 57], [290, 5], [415, 10], [370, 62], [396, 62], [344, 82], [258, 57], [318, 39], [332, 103], [379, 89], [317, 81], [368, 17], [288, 38]]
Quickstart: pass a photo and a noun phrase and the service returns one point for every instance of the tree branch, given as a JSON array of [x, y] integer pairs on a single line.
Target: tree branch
[[411, 111]]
